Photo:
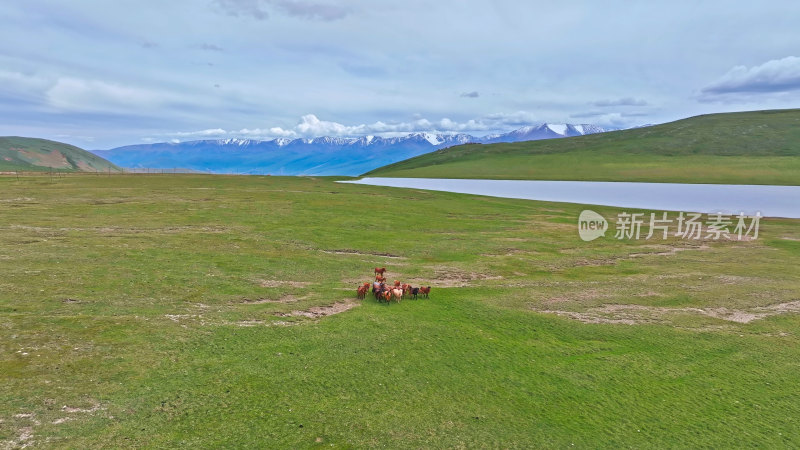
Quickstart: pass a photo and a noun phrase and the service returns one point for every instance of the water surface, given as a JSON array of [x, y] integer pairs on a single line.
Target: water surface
[[772, 201]]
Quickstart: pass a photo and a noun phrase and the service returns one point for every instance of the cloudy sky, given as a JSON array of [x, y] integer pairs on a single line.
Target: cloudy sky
[[99, 74]]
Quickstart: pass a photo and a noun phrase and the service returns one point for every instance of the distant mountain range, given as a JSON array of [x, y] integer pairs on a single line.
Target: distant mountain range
[[317, 156]]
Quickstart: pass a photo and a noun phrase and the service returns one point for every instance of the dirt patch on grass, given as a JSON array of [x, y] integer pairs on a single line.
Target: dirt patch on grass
[[24, 439], [72, 410], [83, 165], [735, 279], [669, 251], [286, 298], [180, 318], [589, 294], [315, 312], [283, 283], [261, 323], [54, 159], [450, 277], [356, 252], [640, 314], [28, 421], [124, 230], [186, 320], [649, 294], [612, 260], [506, 252]]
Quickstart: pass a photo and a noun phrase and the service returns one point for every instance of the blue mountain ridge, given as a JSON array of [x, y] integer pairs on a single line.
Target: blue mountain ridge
[[318, 156]]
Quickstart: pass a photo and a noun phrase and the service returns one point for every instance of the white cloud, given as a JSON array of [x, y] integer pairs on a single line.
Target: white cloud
[[75, 94], [312, 10], [311, 126], [603, 119], [208, 132], [23, 84], [296, 8], [625, 101], [208, 47], [243, 8], [519, 118], [279, 132], [774, 76]]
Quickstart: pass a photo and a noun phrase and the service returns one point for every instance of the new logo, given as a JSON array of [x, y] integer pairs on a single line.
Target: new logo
[[591, 225]]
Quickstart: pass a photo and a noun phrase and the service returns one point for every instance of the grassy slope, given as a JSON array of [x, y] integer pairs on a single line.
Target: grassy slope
[[761, 147], [150, 352], [30, 154]]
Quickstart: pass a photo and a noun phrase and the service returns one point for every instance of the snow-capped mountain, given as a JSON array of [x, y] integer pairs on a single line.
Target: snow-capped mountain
[[545, 131], [317, 156]]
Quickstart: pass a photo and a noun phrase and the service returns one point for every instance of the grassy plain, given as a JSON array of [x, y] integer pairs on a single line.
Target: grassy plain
[[174, 310]]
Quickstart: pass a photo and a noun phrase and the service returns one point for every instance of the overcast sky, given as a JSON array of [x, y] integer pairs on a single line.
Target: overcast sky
[[99, 74]]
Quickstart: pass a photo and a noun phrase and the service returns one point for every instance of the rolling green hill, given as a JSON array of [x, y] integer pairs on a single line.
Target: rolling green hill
[[30, 154], [758, 147]]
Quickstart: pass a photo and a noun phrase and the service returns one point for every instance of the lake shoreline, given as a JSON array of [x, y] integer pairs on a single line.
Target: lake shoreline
[[768, 200]]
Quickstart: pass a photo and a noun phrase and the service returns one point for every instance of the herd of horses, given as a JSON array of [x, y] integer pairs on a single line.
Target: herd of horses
[[396, 292]]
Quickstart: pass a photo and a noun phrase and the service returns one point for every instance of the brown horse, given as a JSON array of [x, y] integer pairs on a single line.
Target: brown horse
[[362, 290], [425, 291], [378, 290], [380, 270]]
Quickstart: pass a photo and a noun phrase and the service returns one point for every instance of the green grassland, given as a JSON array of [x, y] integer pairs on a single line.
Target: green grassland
[[760, 147], [30, 154], [163, 311]]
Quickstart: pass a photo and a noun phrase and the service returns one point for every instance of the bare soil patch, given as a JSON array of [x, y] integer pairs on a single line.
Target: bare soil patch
[[316, 312], [286, 298], [451, 277], [669, 251], [125, 230], [25, 434], [53, 159], [283, 283], [356, 252], [612, 260], [735, 279], [261, 323], [640, 314], [589, 294], [71, 410]]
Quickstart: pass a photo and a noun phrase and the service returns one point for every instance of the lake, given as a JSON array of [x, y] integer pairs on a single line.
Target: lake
[[770, 201]]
